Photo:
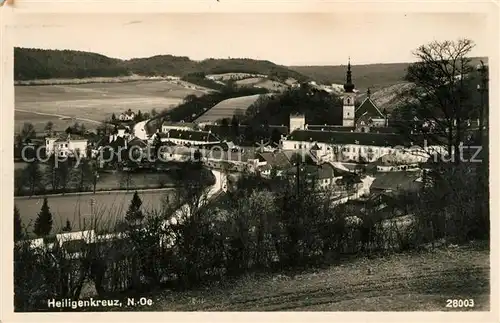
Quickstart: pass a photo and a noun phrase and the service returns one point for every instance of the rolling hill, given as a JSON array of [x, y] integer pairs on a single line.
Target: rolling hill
[[364, 76], [32, 64], [374, 76]]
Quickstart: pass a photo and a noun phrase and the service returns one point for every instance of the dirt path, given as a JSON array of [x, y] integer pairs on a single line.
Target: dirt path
[[58, 115], [403, 282]]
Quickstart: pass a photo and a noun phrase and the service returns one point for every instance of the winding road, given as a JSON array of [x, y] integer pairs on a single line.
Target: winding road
[[140, 130]]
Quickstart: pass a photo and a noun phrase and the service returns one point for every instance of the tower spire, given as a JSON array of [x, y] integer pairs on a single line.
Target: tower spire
[[349, 86]]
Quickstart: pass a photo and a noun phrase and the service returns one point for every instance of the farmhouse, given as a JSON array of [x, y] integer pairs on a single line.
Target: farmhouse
[[127, 115], [66, 145]]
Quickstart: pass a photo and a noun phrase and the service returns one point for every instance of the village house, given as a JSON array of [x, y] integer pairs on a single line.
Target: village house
[[67, 145], [267, 161], [176, 153], [324, 175], [396, 182], [127, 115]]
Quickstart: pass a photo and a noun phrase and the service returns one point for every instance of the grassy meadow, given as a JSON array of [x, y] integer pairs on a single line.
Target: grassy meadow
[[226, 108], [91, 103], [108, 207]]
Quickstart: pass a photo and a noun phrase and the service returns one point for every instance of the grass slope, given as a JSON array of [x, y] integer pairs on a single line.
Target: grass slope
[[227, 108], [417, 281], [403, 282], [93, 101]]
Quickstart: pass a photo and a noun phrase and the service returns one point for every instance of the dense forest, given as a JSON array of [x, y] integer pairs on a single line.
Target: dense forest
[[319, 107], [32, 64]]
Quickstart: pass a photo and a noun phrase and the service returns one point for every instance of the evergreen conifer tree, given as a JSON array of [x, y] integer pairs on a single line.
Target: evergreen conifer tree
[[18, 228], [67, 227], [43, 222], [134, 212]]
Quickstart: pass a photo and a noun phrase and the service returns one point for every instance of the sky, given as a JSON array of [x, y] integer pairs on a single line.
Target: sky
[[283, 38]]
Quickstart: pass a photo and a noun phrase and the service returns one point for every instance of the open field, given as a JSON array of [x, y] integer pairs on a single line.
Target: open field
[[419, 281], [94, 101], [113, 181], [262, 83], [232, 76], [226, 108], [108, 206]]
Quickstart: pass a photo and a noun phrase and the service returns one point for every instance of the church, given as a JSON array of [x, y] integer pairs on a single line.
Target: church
[[363, 134], [359, 119], [366, 115]]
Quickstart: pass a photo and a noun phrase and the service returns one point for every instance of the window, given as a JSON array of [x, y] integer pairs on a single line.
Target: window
[[294, 146], [66, 145]]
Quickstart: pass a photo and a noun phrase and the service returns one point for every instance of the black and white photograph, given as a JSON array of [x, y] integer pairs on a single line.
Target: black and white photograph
[[251, 162]]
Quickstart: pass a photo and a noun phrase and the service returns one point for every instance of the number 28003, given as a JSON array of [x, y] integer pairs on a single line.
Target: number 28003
[[454, 303]]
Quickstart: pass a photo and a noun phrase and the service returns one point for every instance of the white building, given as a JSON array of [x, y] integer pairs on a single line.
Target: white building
[[127, 116], [166, 126], [176, 154], [187, 137], [66, 146], [357, 146], [297, 122]]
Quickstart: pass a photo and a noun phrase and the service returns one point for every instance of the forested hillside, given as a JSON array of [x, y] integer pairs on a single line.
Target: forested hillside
[[31, 64]]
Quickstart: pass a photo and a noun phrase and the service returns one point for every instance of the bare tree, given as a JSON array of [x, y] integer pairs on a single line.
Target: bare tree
[[441, 94]]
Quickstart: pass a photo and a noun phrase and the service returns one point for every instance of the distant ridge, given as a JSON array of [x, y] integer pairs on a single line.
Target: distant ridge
[[375, 76], [35, 64]]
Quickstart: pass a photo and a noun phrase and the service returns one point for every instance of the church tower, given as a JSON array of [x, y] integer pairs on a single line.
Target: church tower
[[348, 99]]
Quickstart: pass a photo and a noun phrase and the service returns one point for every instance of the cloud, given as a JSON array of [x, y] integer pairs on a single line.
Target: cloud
[[133, 22], [37, 26]]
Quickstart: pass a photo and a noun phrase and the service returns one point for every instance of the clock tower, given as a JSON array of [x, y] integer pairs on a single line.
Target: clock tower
[[348, 99]]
